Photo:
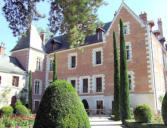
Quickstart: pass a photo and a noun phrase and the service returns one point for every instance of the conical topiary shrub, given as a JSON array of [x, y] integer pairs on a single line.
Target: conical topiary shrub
[[164, 109], [61, 107]]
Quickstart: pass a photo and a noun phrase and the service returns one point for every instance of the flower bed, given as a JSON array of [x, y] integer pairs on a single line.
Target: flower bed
[[16, 121]]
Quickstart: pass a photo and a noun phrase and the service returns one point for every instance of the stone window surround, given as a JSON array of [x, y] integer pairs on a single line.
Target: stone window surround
[[131, 73], [69, 60], [41, 64], [73, 78], [94, 82], [94, 56], [128, 27], [40, 87], [81, 84]]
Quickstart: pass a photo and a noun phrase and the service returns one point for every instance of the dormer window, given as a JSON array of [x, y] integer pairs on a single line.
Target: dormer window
[[99, 34]]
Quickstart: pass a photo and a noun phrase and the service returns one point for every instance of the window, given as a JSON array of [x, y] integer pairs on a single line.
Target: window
[[126, 28], [85, 85], [99, 84], [39, 64], [99, 106], [37, 87], [15, 81], [128, 51], [72, 60], [0, 79], [73, 82], [51, 65], [97, 56], [130, 82]]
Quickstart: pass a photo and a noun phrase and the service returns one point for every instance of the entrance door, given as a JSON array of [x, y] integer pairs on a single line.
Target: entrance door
[[13, 100], [99, 106], [36, 105]]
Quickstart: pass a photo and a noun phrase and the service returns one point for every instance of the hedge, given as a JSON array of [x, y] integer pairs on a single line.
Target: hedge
[[21, 110], [133, 124], [7, 110], [61, 107]]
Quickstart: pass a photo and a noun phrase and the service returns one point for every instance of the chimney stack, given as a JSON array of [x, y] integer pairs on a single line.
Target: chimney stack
[[43, 37], [160, 26], [2, 49], [143, 16]]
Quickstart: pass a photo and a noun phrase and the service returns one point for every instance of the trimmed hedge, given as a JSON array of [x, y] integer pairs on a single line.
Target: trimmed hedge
[[7, 110], [133, 124], [164, 109], [18, 103], [21, 110], [61, 107], [143, 114]]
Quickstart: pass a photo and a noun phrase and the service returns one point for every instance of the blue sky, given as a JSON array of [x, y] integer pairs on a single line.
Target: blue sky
[[154, 8]]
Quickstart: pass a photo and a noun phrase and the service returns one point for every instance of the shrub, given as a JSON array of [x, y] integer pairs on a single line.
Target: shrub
[[21, 110], [143, 114], [61, 107], [164, 109], [7, 110], [18, 103]]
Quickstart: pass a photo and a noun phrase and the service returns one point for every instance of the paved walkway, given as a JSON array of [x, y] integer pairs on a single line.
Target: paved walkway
[[104, 122]]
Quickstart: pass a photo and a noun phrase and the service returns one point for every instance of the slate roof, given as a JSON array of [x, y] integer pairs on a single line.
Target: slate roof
[[23, 43], [62, 43], [10, 65]]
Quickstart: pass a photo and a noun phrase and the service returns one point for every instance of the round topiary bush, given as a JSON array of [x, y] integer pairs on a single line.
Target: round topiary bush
[[21, 110], [18, 103], [164, 109], [61, 107], [143, 114], [7, 110]]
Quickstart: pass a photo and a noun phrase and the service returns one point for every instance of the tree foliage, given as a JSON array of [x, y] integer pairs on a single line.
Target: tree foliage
[[124, 87], [30, 91], [20, 13], [164, 109], [76, 18], [116, 80], [54, 68]]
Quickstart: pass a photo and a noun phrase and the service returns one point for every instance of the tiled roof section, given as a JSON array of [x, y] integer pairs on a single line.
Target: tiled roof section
[[10, 65], [61, 42], [23, 43]]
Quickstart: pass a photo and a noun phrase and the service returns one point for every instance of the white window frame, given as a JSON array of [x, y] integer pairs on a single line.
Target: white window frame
[[81, 84], [94, 82], [51, 59], [70, 60], [40, 86], [131, 73], [128, 27], [73, 78], [130, 50], [94, 56]]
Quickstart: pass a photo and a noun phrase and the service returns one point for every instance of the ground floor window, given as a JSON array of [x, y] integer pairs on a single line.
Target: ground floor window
[[99, 105], [36, 104]]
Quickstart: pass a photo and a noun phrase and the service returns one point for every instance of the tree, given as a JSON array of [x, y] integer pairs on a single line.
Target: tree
[[30, 91], [75, 18], [116, 80], [125, 101], [54, 69], [61, 107], [164, 109], [20, 14]]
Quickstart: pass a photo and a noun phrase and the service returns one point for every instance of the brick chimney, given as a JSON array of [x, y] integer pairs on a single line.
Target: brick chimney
[[2, 49], [160, 26], [43, 37], [143, 16]]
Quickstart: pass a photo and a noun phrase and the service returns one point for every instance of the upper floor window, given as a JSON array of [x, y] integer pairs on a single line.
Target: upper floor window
[[73, 82], [0, 79], [15, 81], [72, 61], [98, 84], [97, 56], [130, 81], [128, 51], [51, 65], [37, 87], [39, 64], [126, 28], [85, 85]]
